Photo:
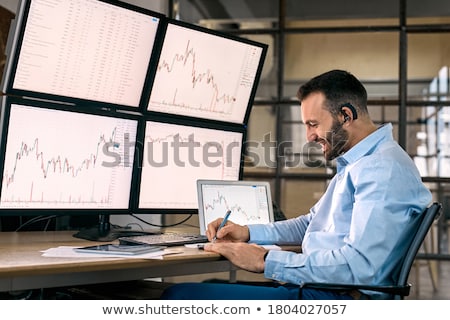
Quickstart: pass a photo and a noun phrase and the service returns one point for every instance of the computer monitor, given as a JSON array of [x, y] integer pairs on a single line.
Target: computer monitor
[[57, 162], [81, 50], [206, 74], [174, 156]]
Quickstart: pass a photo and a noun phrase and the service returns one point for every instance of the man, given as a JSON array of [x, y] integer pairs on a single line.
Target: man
[[360, 228]]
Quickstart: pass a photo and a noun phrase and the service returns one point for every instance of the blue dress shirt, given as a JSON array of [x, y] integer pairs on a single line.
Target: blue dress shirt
[[357, 232]]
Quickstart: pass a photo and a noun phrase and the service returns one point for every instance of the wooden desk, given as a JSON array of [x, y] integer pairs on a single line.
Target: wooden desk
[[23, 267]]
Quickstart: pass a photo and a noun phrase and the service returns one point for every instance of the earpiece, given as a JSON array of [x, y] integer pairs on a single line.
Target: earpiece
[[352, 109]]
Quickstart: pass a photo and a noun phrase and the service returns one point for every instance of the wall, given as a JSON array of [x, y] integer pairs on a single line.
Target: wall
[[374, 55]]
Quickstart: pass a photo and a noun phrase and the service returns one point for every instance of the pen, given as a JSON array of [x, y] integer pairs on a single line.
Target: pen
[[224, 221]]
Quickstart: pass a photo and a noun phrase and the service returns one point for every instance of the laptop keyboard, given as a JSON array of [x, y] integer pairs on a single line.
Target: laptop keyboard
[[165, 239]]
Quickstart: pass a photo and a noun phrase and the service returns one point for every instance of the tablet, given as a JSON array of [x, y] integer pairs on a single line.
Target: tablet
[[120, 249]]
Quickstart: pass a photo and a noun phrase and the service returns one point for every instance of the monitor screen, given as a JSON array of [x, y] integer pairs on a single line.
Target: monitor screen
[[81, 49], [175, 156], [60, 159], [205, 74], [249, 202]]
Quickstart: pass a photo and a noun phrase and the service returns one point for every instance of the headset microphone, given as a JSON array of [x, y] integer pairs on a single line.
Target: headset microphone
[[352, 109]]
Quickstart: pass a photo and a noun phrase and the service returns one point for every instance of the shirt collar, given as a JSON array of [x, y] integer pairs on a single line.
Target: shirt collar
[[365, 146]]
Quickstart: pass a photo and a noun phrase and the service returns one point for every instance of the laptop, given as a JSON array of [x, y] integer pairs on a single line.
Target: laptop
[[250, 202]]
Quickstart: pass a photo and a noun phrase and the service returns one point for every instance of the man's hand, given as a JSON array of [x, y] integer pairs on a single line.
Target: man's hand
[[230, 231], [246, 256]]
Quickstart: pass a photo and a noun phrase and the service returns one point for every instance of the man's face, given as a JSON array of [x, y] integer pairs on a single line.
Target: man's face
[[322, 128]]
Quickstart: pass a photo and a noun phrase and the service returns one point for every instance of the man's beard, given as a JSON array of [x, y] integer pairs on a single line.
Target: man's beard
[[336, 139]]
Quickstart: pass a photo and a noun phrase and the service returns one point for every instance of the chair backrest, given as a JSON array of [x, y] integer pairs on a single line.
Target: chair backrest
[[431, 213]]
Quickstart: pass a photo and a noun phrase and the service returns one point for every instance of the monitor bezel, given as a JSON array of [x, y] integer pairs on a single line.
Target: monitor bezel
[[198, 123], [6, 103], [13, 51], [212, 32]]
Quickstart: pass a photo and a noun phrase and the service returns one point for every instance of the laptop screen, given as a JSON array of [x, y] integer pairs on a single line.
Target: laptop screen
[[250, 202]]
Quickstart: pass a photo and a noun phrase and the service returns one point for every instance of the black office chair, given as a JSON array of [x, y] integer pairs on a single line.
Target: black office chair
[[402, 288]]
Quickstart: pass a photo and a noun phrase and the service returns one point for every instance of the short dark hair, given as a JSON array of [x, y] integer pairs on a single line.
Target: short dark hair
[[339, 87]]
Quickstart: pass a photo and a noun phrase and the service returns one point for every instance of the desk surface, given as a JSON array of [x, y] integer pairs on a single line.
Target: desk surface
[[23, 266]]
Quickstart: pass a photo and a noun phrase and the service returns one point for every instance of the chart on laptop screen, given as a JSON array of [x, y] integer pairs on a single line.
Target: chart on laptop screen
[[249, 202]]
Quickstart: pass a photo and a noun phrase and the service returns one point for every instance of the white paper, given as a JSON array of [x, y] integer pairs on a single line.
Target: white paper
[[69, 252]]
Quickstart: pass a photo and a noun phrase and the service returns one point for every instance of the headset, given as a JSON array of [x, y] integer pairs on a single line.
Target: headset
[[352, 109]]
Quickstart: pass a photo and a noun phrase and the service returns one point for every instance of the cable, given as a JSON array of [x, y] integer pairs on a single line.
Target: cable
[[161, 226], [36, 219]]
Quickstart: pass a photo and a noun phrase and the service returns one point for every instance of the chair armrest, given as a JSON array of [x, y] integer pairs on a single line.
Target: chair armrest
[[391, 289]]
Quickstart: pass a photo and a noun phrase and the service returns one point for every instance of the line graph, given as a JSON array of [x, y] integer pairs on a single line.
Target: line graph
[[175, 156], [247, 204], [204, 75], [58, 164], [61, 159], [218, 102]]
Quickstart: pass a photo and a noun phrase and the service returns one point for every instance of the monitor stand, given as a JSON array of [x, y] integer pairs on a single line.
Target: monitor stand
[[105, 232]]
